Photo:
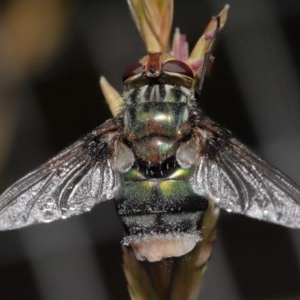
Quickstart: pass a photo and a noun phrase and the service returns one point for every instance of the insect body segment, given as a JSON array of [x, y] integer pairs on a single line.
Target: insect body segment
[[156, 114], [154, 128], [153, 206]]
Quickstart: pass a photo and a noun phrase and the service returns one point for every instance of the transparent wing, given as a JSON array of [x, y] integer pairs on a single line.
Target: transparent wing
[[241, 182], [69, 184]]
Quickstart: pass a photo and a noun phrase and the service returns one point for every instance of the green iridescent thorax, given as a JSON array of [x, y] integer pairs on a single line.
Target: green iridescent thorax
[[156, 118]]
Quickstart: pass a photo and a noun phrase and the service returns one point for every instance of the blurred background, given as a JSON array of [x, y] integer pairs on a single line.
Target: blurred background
[[52, 53]]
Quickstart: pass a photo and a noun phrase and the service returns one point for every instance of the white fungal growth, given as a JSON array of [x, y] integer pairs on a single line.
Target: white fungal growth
[[158, 247]]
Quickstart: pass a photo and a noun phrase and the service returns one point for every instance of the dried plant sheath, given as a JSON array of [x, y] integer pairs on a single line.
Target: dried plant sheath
[[153, 19], [112, 96], [206, 41]]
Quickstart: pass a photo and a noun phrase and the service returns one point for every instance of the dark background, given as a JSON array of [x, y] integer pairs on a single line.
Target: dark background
[[52, 53]]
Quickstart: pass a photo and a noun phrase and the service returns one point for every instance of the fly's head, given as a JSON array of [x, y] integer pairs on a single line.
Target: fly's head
[[158, 68], [165, 65]]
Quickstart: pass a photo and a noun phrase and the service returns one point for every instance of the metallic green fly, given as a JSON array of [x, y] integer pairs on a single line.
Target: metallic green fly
[[161, 158]]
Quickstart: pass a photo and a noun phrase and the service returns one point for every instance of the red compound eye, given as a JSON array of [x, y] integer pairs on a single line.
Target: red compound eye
[[133, 70], [177, 66]]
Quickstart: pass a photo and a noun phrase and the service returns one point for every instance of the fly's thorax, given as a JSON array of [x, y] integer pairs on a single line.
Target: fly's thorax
[[156, 118]]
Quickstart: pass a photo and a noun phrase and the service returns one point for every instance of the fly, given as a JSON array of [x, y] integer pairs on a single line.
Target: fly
[[161, 158]]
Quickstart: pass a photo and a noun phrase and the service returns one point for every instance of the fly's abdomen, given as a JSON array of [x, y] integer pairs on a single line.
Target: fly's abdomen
[[160, 208]]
